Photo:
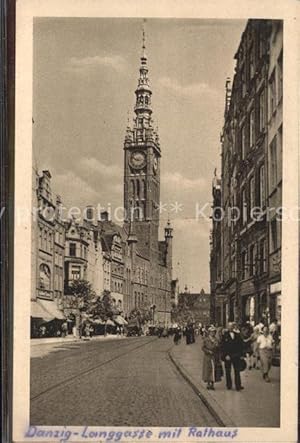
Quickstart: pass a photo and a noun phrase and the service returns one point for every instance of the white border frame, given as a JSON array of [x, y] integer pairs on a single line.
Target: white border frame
[[233, 9]]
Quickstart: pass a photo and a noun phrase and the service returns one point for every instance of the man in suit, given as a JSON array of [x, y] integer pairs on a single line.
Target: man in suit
[[232, 352]]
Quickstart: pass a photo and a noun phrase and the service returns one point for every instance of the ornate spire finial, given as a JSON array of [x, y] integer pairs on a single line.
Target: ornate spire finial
[[144, 57], [128, 120]]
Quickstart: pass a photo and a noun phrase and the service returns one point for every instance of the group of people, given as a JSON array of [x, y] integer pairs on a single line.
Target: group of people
[[248, 347], [188, 331]]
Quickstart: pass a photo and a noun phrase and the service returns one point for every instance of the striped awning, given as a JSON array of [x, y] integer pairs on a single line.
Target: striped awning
[[120, 320], [51, 307], [37, 311]]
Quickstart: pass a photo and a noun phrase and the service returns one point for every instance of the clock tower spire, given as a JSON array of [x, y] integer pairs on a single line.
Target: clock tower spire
[[142, 165]]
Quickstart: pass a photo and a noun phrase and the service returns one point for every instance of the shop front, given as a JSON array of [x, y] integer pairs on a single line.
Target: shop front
[[275, 301], [46, 319], [248, 311]]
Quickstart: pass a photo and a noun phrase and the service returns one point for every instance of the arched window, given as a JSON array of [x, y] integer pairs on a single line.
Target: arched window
[[146, 100], [143, 209], [144, 192], [138, 189], [45, 276], [132, 188], [45, 240], [50, 241], [40, 238], [137, 211], [56, 288]]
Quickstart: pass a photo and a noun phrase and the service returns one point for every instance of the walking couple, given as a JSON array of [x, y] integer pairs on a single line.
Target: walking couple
[[229, 349]]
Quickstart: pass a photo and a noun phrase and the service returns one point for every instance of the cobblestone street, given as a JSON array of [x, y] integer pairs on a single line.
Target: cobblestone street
[[130, 382]]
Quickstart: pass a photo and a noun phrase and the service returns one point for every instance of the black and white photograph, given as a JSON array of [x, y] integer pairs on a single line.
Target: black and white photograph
[[156, 219]]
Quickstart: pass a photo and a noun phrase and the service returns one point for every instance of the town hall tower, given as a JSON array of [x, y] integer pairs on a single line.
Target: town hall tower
[[142, 168]]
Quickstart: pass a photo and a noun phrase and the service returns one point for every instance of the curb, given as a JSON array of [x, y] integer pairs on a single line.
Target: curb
[[45, 341], [216, 411]]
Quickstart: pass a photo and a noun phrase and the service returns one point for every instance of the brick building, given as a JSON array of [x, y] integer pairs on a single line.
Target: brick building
[[152, 259], [251, 179]]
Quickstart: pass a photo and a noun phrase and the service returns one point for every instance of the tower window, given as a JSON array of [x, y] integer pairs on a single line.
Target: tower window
[[144, 193], [132, 188]]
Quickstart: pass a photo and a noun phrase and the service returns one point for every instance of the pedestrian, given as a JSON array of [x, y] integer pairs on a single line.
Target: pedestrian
[[260, 325], [87, 331], [232, 353], [190, 338], [246, 334], [91, 331], [74, 331], [187, 334], [43, 331], [274, 329], [211, 366], [177, 336], [236, 328], [255, 353], [265, 343], [64, 329], [219, 334], [193, 339]]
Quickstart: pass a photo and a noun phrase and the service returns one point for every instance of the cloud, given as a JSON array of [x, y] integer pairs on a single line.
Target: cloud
[[115, 62], [187, 91], [105, 171], [78, 193], [176, 179]]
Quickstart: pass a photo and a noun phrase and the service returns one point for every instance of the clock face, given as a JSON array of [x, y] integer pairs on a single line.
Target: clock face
[[155, 164], [137, 160]]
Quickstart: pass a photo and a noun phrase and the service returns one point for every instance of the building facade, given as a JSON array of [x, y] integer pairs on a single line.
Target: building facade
[[274, 161], [251, 181], [217, 311], [152, 261], [48, 238], [193, 307]]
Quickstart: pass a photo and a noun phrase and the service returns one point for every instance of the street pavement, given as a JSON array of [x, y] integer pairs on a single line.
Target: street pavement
[[129, 382], [258, 405]]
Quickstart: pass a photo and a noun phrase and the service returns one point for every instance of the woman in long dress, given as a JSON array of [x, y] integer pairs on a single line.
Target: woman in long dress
[[212, 368]]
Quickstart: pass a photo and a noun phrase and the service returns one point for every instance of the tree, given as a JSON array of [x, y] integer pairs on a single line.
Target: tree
[[141, 316], [83, 295]]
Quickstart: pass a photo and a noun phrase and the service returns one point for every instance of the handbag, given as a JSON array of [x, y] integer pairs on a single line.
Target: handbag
[[243, 364]]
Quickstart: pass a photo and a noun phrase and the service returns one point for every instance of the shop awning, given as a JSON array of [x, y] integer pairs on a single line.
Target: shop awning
[[133, 322], [98, 321], [120, 320], [110, 322], [37, 311], [51, 308]]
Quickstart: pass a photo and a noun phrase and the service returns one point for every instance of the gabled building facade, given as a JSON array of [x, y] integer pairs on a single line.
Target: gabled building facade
[[48, 235], [251, 179]]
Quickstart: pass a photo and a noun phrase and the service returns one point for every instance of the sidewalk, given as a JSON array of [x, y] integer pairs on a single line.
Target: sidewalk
[[258, 405], [71, 339]]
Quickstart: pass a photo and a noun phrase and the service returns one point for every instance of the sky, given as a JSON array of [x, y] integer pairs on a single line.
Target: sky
[[85, 75]]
